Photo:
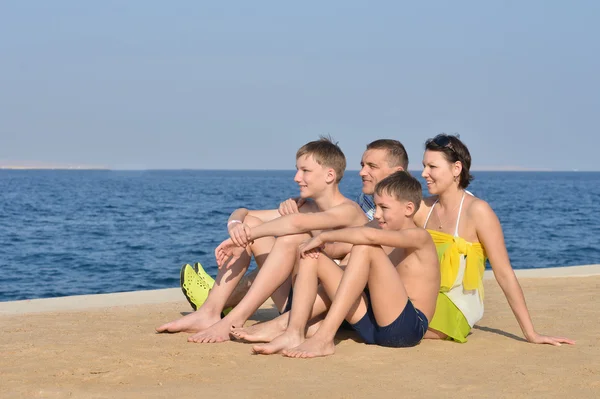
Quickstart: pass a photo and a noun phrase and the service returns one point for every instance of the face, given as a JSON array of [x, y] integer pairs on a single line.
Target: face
[[311, 177], [391, 213], [438, 172], [374, 168]]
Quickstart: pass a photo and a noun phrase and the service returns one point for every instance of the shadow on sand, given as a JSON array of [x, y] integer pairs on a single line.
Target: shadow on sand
[[499, 332]]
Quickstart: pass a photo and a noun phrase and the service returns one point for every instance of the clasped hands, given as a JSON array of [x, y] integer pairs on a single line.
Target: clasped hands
[[230, 250]]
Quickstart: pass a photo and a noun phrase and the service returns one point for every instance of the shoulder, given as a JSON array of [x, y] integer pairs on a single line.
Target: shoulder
[[349, 206], [482, 215], [417, 233], [476, 207], [345, 206], [422, 243], [424, 233]]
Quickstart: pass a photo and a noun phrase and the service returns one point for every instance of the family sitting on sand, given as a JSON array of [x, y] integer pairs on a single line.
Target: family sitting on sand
[[394, 266]]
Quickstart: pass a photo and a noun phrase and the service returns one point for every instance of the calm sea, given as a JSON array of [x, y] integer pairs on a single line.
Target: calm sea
[[87, 232]]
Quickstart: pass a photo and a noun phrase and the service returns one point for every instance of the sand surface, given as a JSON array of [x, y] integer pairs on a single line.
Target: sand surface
[[113, 352]]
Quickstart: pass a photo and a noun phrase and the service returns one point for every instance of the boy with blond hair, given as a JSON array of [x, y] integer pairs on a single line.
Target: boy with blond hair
[[320, 167]]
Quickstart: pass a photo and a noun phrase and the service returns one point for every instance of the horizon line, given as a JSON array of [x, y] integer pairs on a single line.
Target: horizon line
[[99, 169]]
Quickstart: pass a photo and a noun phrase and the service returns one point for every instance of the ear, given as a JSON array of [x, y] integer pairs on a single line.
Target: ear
[[331, 176], [409, 209], [398, 169], [457, 169]]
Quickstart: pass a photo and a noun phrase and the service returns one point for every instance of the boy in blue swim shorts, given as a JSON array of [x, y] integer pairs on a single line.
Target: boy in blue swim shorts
[[388, 290]]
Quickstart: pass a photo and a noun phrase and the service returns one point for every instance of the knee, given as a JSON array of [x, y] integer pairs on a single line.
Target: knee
[[307, 262], [290, 243], [252, 221], [303, 264], [292, 239], [361, 249]]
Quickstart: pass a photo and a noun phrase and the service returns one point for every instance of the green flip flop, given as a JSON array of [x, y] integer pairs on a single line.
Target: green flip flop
[[194, 287], [203, 274], [196, 283]]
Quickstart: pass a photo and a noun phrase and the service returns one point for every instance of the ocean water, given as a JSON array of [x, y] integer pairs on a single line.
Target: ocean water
[[87, 232]]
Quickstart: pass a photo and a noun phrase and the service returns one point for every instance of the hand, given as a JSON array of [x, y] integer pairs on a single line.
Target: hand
[[227, 250], [311, 248], [543, 339], [240, 234], [290, 206]]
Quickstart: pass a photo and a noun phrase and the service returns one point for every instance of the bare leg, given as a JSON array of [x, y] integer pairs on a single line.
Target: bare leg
[[388, 295], [225, 284], [269, 330], [241, 289], [305, 290], [309, 272], [262, 332], [273, 279], [305, 294]]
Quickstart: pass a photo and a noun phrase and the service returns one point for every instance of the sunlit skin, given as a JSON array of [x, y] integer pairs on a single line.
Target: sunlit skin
[[392, 214], [439, 174], [374, 168], [312, 177]]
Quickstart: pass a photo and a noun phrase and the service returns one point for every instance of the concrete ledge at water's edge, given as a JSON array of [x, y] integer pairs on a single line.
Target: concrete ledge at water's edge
[[548, 272], [86, 302]]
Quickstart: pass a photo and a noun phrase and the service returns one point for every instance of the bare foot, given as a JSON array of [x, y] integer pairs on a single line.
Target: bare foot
[[312, 347], [218, 332], [261, 332], [191, 323], [288, 339]]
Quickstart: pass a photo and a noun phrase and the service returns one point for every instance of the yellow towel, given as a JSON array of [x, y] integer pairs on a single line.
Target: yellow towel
[[449, 249]]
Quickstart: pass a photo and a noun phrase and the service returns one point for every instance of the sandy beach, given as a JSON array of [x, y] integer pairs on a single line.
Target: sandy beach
[[104, 346]]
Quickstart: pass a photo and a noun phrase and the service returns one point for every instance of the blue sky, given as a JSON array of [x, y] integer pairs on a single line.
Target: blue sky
[[242, 85]]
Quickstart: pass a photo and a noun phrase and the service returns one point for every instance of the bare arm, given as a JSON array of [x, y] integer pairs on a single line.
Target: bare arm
[[264, 215], [408, 238], [338, 250], [490, 235], [237, 227], [336, 217]]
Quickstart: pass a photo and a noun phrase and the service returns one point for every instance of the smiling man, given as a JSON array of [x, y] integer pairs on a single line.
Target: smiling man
[[380, 159]]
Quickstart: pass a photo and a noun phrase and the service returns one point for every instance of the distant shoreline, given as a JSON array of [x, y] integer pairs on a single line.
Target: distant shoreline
[[52, 168], [413, 171]]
